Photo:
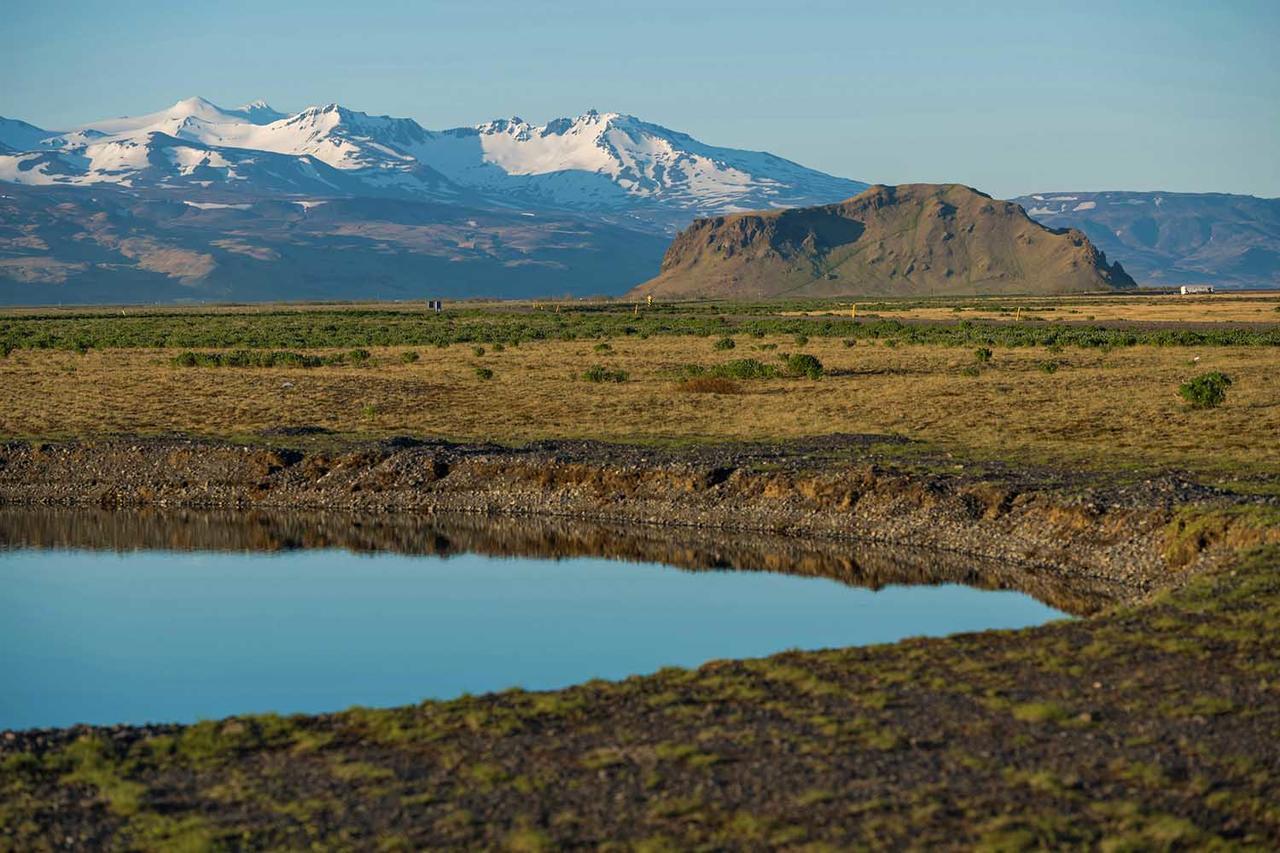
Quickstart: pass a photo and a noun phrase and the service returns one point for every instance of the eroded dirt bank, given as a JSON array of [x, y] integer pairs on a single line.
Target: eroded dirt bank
[[1088, 542]]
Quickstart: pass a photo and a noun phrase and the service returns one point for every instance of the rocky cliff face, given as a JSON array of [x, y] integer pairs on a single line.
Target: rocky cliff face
[[914, 239]]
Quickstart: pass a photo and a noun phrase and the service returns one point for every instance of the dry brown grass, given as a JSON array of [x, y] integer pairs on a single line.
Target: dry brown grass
[[1217, 308], [709, 385], [1099, 408]]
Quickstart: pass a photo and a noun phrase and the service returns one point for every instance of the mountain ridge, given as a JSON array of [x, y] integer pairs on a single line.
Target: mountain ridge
[[197, 201], [608, 177], [595, 162], [1170, 238]]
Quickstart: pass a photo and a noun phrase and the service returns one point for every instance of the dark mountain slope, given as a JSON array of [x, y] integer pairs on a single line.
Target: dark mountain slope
[[104, 245]]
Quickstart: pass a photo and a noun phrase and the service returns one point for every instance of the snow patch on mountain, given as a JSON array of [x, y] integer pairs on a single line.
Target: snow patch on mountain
[[258, 112], [611, 160], [597, 162]]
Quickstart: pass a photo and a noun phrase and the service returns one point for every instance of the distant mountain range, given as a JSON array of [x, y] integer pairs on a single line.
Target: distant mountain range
[[198, 202], [597, 162], [1174, 238], [909, 240]]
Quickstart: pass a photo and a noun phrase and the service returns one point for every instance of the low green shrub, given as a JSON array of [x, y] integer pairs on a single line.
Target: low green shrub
[[345, 327], [725, 344], [255, 358], [740, 368], [600, 373], [1049, 366], [803, 364], [801, 340], [484, 373], [982, 355], [743, 368], [1206, 391], [477, 351], [603, 347], [409, 357]]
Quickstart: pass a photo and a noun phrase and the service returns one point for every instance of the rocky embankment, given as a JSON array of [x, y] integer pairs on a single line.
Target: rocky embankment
[[1082, 542]]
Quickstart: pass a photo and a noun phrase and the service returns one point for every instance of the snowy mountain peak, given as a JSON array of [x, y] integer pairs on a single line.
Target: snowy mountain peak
[[597, 161], [613, 161], [195, 106], [166, 120], [259, 112]]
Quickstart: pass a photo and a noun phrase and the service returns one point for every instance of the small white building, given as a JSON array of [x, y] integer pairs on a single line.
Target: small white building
[[1196, 288]]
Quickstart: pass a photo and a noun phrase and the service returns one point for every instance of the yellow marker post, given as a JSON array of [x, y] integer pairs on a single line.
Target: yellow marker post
[[853, 311], [1017, 315], [649, 299]]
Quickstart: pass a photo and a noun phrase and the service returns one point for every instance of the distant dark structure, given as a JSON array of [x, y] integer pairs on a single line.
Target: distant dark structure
[[435, 305]]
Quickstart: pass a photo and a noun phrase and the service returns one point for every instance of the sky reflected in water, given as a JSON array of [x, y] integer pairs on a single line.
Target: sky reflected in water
[[102, 637]]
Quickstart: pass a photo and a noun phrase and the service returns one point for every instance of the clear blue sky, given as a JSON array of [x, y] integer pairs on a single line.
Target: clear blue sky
[[1010, 97]]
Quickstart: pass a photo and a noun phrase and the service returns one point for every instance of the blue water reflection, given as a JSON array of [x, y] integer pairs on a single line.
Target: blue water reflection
[[102, 637]]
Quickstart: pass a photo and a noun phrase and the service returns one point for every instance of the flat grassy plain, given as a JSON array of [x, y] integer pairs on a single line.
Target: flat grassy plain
[[1097, 407], [1232, 307]]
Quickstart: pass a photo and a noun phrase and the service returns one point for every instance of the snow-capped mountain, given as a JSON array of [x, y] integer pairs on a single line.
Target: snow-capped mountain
[[201, 201], [609, 161], [597, 162], [251, 150]]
